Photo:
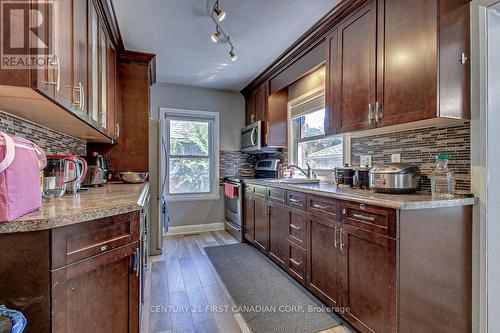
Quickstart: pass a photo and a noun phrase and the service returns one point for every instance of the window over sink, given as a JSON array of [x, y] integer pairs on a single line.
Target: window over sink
[[191, 150], [307, 141]]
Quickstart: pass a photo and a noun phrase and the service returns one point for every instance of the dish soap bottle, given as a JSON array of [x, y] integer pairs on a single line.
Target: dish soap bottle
[[442, 179]]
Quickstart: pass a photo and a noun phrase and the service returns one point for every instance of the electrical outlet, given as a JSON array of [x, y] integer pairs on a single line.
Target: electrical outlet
[[365, 160], [395, 158]]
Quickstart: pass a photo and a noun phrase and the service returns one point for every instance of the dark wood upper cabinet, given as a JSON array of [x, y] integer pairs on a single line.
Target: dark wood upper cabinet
[[353, 62], [80, 54], [276, 119], [325, 259], [277, 235], [369, 280]]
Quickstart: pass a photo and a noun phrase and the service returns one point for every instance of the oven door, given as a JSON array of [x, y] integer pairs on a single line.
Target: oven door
[[234, 207], [251, 137]]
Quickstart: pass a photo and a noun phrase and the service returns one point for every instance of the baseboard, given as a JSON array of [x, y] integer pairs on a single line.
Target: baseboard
[[189, 229]]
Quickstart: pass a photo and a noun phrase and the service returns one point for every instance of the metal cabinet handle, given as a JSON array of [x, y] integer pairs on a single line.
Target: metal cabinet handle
[[55, 62], [370, 113], [293, 226], [79, 102], [82, 97], [117, 129], [319, 206], [295, 262], [341, 238], [379, 114], [136, 262], [295, 200], [367, 218], [335, 237]]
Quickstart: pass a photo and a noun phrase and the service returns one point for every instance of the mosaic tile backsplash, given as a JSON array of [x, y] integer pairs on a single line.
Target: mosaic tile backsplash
[[239, 164], [50, 141], [420, 146]]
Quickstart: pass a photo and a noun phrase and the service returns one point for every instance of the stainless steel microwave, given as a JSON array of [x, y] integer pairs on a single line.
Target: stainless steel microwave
[[251, 137]]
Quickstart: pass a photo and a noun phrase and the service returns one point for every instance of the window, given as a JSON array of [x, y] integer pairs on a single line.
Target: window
[[192, 139], [307, 134]]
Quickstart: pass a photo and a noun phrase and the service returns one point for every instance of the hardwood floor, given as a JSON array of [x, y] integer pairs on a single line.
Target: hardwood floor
[[183, 293]]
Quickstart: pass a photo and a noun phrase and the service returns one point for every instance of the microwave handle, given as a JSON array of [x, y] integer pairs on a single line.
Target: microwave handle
[[252, 134]]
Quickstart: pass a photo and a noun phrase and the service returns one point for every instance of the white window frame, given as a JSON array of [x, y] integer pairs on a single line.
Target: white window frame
[[193, 115], [346, 139]]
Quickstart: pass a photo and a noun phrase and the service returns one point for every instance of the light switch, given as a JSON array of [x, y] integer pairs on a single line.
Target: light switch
[[365, 160], [395, 158]]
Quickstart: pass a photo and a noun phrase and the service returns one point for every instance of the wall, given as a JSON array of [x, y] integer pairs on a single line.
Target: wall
[[52, 142], [420, 146], [231, 107]]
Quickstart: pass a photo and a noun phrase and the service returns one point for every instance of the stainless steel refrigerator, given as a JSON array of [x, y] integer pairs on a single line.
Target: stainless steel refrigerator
[[158, 208]]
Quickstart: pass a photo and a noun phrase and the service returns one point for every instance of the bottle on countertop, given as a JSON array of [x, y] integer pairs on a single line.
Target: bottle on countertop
[[442, 179]]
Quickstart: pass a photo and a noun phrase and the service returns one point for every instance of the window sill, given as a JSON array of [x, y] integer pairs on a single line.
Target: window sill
[[193, 197]]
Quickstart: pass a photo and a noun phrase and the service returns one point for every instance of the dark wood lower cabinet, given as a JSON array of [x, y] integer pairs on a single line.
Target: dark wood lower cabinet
[[261, 236], [277, 236], [249, 223], [369, 280], [388, 270], [100, 294], [325, 259]]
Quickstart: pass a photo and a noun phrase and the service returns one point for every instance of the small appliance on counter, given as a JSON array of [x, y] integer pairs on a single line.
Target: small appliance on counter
[[344, 176], [395, 178], [267, 168], [76, 170], [60, 174], [101, 162], [362, 177], [94, 177]]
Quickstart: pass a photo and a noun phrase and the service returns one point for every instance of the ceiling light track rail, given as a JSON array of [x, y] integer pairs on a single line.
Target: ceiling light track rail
[[218, 15]]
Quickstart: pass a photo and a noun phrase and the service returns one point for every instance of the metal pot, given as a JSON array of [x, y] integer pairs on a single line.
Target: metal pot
[[395, 178]]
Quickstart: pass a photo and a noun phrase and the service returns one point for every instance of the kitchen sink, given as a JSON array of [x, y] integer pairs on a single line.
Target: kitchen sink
[[294, 181]]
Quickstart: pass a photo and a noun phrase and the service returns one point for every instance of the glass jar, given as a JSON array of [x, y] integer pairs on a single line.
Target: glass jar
[[442, 179]]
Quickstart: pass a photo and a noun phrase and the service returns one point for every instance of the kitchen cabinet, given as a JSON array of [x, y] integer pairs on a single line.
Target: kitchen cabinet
[[325, 259], [113, 114], [82, 277], [103, 293], [369, 279], [354, 69], [261, 236], [80, 49], [401, 74], [371, 260], [249, 214], [277, 235]]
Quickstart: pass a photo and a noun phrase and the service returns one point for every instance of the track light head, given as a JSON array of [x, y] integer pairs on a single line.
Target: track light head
[[216, 35], [233, 54], [221, 15]]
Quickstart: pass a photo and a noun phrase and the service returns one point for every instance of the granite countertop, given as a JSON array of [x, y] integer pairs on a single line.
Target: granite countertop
[[417, 200], [96, 203]]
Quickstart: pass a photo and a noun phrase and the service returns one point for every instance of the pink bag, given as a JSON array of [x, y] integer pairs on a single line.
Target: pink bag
[[20, 164]]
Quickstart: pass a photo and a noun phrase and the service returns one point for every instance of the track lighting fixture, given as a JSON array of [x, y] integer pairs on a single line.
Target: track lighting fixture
[[215, 36], [217, 16], [233, 54], [221, 15]]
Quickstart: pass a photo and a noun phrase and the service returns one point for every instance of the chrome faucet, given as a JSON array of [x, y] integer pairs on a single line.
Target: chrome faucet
[[309, 174]]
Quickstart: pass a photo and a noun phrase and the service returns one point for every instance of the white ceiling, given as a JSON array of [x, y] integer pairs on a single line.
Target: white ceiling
[[178, 32]]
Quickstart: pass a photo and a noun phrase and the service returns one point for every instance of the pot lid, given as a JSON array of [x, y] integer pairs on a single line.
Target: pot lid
[[396, 168], [344, 167]]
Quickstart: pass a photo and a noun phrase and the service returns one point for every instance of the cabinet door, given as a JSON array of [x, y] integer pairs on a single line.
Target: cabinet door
[[260, 103], [277, 233], [296, 262], [331, 66], [261, 237], [324, 259], [369, 280], [80, 66], [276, 119], [45, 77], [103, 77], [111, 86], [93, 98], [355, 70], [296, 226], [62, 21], [249, 109], [100, 294], [407, 66], [249, 217]]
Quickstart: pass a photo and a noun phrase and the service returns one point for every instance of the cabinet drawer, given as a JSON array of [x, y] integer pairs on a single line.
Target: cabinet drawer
[[296, 226], [276, 194], [249, 189], [378, 220], [296, 200], [322, 206], [296, 262], [260, 190], [86, 239]]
